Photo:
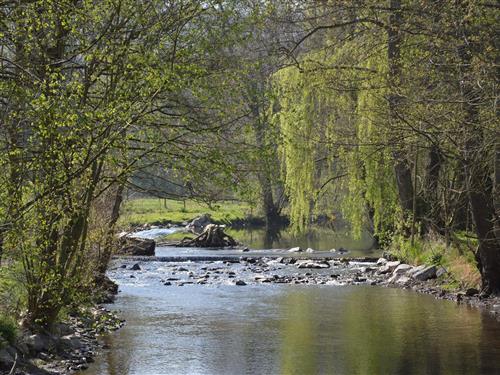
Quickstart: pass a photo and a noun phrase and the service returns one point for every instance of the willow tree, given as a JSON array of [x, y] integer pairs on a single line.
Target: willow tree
[[422, 98]]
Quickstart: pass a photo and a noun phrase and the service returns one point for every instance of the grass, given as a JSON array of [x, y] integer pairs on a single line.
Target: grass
[[456, 258], [160, 211]]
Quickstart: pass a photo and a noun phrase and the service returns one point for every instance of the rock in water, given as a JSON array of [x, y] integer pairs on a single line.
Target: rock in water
[[297, 249], [137, 246], [240, 283], [136, 267]]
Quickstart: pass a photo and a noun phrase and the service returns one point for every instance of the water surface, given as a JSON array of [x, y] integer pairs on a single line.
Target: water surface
[[293, 329]]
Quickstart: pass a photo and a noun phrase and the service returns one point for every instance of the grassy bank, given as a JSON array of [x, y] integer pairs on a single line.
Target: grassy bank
[[457, 258], [164, 211]]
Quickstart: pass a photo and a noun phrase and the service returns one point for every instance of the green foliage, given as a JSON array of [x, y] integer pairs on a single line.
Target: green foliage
[[461, 266], [8, 329], [343, 126]]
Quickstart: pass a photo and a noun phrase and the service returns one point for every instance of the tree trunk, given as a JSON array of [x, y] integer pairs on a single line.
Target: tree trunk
[[401, 168], [271, 211], [477, 172], [108, 247], [433, 217]]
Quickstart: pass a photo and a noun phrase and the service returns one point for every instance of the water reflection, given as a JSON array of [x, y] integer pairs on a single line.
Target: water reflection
[[297, 330], [316, 238]]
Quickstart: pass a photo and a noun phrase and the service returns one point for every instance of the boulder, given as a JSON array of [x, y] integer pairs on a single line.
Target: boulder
[[414, 270], [38, 343], [381, 261], [425, 274], [7, 358], [309, 250], [136, 267], [137, 246], [71, 341], [388, 267], [403, 280], [471, 292], [402, 269], [240, 283], [297, 249]]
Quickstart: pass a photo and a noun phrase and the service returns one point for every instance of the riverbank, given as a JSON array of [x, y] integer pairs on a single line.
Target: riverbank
[[70, 346]]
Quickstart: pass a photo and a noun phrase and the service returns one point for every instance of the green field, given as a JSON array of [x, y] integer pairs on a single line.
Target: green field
[[163, 211]]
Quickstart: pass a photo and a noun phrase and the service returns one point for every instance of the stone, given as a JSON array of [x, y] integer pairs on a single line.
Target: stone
[[297, 249], [240, 283], [6, 357], [403, 280], [137, 246], [182, 269], [245, 250], [342, 250], [136, 267], [425, 274], [167, 283], [71, 341], [381, 261], [38, 343], [414, 270], [309, 250], [388, 267], [471, 292], [310, 264], [402, 269]]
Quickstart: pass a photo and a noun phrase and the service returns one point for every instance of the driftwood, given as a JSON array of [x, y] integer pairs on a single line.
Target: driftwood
[[212, 236]]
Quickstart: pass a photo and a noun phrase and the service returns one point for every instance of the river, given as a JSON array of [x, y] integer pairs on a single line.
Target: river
[[221, 328]]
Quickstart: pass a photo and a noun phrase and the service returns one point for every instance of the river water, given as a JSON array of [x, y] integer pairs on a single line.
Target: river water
[[270, 329]]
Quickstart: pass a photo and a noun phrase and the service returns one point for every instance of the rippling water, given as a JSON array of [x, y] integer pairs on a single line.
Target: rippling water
[[289, 329]]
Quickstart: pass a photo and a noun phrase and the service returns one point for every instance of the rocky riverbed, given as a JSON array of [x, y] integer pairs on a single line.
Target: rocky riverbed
[[69, 348], [242, 271]]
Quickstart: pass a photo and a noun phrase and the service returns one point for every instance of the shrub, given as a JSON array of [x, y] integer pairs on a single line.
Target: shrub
[[8, 329]]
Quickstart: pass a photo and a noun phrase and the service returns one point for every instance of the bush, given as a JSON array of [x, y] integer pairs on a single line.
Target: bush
[[8, 329]]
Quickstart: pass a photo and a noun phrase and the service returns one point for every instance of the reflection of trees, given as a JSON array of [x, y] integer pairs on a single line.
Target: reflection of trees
[[404, 333], [272, 234], [299, 342], [306, 330]]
